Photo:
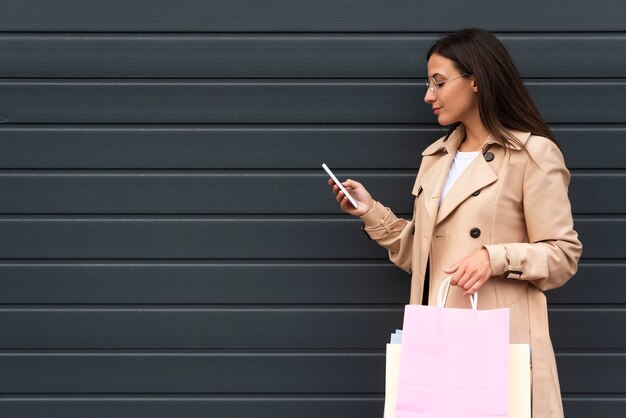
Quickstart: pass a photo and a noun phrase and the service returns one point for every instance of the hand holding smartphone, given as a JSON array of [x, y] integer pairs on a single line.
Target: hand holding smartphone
[[338, 183]]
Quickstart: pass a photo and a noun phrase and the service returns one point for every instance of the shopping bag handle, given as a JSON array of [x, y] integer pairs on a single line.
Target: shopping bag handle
[[444, 287]]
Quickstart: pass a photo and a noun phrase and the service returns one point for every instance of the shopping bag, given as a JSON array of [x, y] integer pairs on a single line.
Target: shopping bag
[[519, 381], [454, 363], [392, 368]]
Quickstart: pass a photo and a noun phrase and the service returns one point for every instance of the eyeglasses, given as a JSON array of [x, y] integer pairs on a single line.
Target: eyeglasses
[[433, 85]]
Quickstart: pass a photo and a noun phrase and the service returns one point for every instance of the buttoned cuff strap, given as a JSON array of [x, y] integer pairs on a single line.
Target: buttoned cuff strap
[[505, 261]]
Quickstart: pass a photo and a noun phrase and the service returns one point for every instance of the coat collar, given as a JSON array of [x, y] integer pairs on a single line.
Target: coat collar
[[451, 144], [478, 175]]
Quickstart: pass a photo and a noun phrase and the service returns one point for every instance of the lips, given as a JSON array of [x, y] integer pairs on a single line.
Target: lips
[[436, 110]]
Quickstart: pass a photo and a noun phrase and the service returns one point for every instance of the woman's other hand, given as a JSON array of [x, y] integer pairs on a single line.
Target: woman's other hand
[[358, 192], [471, 272]]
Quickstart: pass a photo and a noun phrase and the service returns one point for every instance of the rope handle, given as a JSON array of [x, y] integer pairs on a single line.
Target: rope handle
[[444, 288]]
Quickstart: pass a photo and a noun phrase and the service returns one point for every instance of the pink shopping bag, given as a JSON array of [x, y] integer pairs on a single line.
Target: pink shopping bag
[[454, 362]]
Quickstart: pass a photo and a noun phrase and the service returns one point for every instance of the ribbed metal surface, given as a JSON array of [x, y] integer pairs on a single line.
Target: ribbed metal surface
[[271, 327], [229, 237], [342, 282], [247, 371], [287, 55], [210, 192], [270, 146], [307, 16], [276, 101], [168, 243]]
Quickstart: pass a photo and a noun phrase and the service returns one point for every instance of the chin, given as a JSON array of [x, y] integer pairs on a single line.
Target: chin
[[443, 121]]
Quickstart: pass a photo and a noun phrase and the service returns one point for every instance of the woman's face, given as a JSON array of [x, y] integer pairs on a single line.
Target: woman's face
[[456, 100]]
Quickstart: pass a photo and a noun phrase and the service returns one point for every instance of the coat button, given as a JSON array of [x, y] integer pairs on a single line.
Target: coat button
[[476, 193], [474, 232], [488, 156]]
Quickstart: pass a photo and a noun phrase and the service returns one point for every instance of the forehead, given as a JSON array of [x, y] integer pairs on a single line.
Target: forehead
[[438, 64]]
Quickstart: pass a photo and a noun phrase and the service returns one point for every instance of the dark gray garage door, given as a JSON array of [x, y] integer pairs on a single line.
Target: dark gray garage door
[[168, 244]]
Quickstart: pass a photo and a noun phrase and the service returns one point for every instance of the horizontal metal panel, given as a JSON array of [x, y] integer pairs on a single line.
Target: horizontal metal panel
[[310, 372], [591, 372], [575, 328], [264, 283], [276, 55], [589, 406], [198, 406], [242, 192], [598, 193], [150, 406], [276, 101], [231, 238], [261, 146], [296, 16], [328, 327], [192, 372], [147, 327], [593, 284]]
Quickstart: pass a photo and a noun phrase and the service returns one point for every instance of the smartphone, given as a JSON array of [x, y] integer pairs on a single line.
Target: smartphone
[[338, 183]]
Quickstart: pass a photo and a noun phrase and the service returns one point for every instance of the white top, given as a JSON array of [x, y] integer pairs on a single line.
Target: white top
[[461, 161]]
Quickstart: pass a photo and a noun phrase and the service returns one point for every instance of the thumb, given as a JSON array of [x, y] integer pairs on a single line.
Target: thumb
[[452, 268], [352, 184]]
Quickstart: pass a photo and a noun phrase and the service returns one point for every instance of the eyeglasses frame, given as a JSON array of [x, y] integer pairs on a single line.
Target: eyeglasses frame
[[435, 85]]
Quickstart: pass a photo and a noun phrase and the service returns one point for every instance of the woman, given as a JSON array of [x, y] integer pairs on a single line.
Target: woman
[[491, 206]]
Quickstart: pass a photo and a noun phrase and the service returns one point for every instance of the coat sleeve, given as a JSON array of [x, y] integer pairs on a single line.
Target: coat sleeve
[[550, 258], [393, 233]]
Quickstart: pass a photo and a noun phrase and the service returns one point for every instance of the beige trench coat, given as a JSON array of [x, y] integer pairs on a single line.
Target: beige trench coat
[[520, 212]]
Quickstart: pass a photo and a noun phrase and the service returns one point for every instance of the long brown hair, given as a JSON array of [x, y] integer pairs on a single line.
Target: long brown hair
[[503, 101]]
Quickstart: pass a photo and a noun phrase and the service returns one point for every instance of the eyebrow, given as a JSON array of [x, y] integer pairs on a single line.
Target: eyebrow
[[436, 74]]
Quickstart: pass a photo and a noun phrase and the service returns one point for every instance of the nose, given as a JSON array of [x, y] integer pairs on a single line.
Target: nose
[[429, 97]]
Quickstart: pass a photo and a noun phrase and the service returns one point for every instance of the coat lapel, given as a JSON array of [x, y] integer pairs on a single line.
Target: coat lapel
[[478, 174], [432, 182]]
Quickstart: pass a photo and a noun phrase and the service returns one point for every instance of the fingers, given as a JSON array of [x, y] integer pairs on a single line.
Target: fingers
[[344, 202], [470, 280], [473, 289], [460, 276], [353, 184], [339, 196], [357, 191], [452, 269], [467, 276], [479, 267], [469, 286], [346, 206], [333, 186], [336, 190]]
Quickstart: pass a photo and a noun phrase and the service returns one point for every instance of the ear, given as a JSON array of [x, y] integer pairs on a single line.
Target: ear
[[474, 85]]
